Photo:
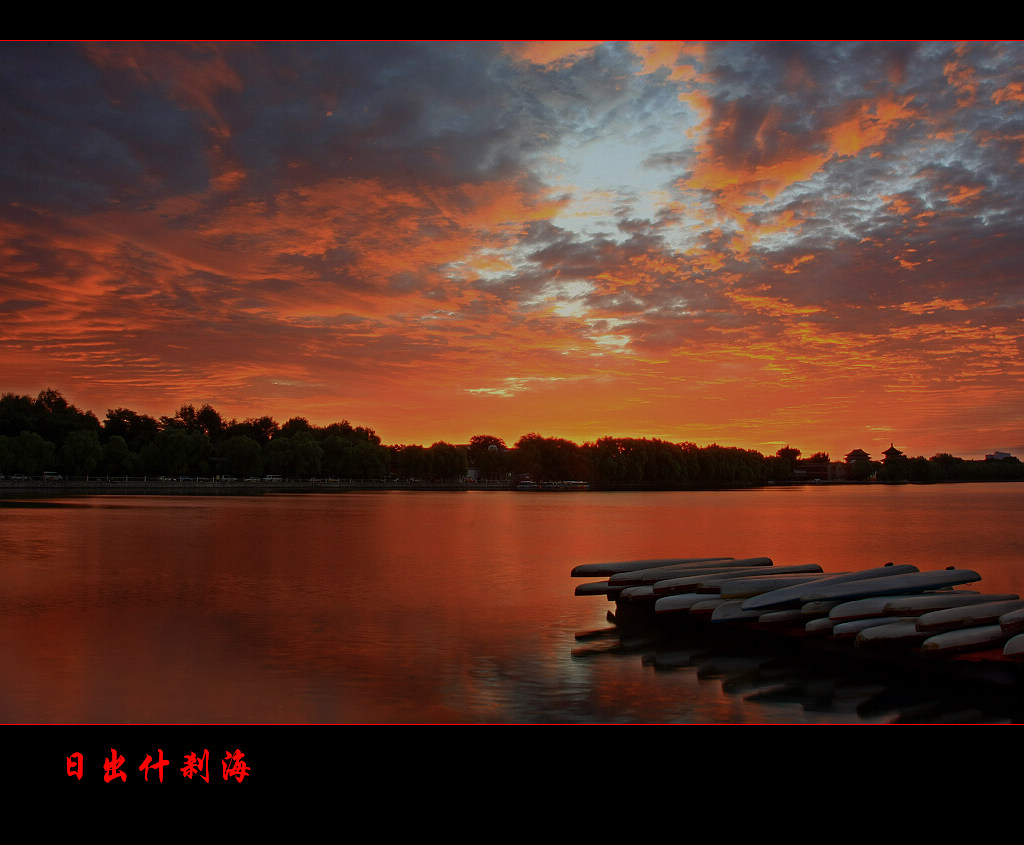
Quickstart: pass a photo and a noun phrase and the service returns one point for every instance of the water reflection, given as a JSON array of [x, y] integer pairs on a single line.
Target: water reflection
[[425, 607], [822, 689]]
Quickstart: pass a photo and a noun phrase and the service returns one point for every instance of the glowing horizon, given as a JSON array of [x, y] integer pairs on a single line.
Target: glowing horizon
[[748, 243]]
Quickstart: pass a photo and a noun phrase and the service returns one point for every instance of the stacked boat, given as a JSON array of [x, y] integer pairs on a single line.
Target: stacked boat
[[887, 612]]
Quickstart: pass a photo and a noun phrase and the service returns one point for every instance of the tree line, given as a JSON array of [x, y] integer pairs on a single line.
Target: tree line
[[50, 434]]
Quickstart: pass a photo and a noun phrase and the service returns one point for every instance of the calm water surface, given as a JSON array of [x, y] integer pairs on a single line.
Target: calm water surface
[[426, 607]]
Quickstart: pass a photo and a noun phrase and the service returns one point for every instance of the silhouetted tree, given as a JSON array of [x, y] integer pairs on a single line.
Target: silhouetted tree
[[298, 456], [353, 457], [411, 461], [489, 456], [176, 451], [136, 429], [294, 426], [262, 430], [118, 459], [53, 418], [209, 422], [448, 462], [184, 418], [30, 454], [243, 457], [81, 453], [16, 414]]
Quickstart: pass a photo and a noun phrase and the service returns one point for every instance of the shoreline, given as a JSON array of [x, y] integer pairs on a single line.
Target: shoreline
[[49, 488], [210, 487]]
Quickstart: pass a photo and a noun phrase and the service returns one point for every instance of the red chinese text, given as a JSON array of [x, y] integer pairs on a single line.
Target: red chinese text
[[111, 767], [159, 765], [75, 765], [197, 765], [234, 766]]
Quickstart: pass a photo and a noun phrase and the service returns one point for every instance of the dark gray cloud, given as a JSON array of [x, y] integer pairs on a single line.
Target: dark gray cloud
[[69, 140]]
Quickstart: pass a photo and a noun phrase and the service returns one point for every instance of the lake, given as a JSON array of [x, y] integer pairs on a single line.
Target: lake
[[431, 607]]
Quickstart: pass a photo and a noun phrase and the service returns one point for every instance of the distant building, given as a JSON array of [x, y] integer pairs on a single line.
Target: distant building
[[819, 470], [998, 456], [892, 453], [857, 467]]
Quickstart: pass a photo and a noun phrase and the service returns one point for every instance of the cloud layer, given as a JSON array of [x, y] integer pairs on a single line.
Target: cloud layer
[[742, 242]]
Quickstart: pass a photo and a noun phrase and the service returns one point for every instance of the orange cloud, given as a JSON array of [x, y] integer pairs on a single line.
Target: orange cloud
[[550, 52], [1011, 93], [938, 305], [869, 126], [794, 265], [772, 306], [742, 187], [963, 193], [963, 79]]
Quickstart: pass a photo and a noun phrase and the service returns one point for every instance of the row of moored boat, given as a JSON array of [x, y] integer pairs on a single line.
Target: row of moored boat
[[934, 613]]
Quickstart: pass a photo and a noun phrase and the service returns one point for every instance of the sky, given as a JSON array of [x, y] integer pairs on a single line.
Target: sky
[[755, 244]]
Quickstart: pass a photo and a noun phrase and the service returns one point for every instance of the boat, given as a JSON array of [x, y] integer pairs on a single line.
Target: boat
[[697, 580], [873, 606], [789, 617], [605, 570], [959, 640], [894, 585], [644, 571], [915, 605], [657, 573], [679, 603], [730, 611], [705, 609], [797, 595], [892, 634], [691, 582], [968, 616], [743, 588], [700, 581], [594, 588], [853, 627], [1012, 622], [1014, 648], [821, 626], [640, 592]]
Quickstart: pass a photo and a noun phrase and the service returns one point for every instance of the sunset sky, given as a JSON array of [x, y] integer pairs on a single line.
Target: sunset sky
[[749, 243]]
